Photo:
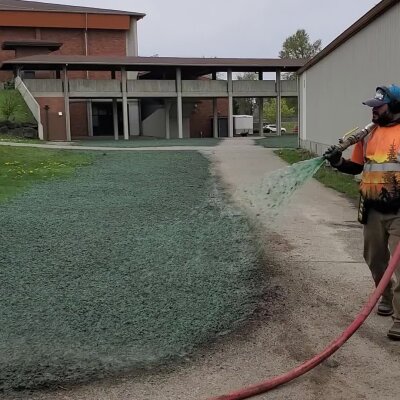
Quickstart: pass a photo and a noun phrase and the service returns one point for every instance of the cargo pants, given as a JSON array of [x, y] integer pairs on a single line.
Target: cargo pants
[[381, 236]]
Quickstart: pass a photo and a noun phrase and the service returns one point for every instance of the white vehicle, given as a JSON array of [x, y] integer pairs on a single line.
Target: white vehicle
[[268, 128], [243, 125]]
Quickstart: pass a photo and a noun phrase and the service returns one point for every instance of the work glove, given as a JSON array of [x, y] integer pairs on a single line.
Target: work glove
[[333, 155]]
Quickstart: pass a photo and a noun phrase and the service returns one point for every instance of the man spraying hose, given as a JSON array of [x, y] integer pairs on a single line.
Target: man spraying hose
[[377, 157]]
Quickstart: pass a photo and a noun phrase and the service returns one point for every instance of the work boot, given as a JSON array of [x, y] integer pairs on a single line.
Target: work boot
[[385, 309], [394, 331]]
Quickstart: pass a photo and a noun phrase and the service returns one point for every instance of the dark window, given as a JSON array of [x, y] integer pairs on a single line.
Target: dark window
[[28, 74]]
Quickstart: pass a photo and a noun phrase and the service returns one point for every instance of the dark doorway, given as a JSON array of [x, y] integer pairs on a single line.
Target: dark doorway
[[222, 126], [103, 122]]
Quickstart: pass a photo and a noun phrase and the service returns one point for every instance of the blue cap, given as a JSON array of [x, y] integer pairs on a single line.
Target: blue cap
[[384, 95]]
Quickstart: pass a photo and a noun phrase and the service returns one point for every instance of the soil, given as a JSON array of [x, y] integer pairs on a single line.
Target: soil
[[318, 282]]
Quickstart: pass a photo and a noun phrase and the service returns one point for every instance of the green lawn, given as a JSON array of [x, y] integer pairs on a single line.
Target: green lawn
[[20, 168], [148, 142], [17, 139], [330, 177], [129, 262]]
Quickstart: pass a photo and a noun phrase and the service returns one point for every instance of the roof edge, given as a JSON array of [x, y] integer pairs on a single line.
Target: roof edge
[[359, 25], [37, 6]]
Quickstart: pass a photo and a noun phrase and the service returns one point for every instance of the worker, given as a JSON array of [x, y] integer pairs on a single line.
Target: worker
[[377, 157]]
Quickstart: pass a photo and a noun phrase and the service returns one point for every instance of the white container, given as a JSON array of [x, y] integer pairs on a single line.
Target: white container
[[243, 125]]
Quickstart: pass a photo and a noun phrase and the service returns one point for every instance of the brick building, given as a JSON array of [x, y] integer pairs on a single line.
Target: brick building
[[79, 72], [32, 28]]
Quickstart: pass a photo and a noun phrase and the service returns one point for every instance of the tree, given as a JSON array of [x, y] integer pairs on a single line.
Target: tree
[[245, 106], [392, 153], [299, 46], [10, 105], [270, 110]]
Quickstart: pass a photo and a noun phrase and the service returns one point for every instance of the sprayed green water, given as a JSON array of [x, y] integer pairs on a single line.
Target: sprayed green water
[[279, 186]]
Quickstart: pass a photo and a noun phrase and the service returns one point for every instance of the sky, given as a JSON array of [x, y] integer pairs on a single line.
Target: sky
[[232, 28]]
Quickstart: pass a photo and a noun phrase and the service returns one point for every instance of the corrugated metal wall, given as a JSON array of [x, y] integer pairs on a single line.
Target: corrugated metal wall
[[332, 91]]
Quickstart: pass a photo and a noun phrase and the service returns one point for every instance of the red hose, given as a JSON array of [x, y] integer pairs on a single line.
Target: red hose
[[332, 347]]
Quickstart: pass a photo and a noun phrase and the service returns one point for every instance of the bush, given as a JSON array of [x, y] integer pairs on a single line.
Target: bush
[[20, 130]]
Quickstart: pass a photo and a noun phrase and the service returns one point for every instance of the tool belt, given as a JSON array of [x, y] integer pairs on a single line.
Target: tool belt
[[365, 205]]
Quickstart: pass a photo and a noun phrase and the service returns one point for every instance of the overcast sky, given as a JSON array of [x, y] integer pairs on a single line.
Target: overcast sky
[[232, 28]]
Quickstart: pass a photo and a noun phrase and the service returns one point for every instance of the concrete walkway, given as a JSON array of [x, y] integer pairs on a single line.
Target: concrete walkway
[[318, 283]]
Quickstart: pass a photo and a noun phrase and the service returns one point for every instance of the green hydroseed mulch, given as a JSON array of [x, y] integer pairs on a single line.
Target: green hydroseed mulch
[[327, 175], [131, 262], [147, 142], [283, 141]]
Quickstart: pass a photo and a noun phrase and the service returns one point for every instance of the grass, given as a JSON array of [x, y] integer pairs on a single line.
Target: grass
[[17, 139], [328, 176], [147, 142], [20, 168], [283, 141], [129, 263]]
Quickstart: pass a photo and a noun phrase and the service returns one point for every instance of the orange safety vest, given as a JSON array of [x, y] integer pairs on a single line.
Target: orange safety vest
[[379, 154]]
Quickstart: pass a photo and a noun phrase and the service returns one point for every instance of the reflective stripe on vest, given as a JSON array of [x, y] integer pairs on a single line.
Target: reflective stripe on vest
[[382, 167]]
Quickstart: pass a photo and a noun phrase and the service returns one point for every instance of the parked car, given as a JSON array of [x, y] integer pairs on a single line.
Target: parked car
[[268, 128]]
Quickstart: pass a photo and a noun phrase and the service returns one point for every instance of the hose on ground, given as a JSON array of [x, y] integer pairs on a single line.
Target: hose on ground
[[274, 382]]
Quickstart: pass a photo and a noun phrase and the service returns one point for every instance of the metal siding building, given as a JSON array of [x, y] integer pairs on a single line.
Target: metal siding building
[[333, 85]]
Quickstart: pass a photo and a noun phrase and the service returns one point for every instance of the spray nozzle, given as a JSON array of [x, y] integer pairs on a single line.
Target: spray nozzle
[[346, 135], [352, 137]]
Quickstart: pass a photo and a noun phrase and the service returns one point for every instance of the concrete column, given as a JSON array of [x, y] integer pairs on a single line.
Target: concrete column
[[230, 108], [260, 116], [215, 118], [167, 105], [278, 103], [115, 119], [90, 117], [260, 108], [215, 111], [179, 102], [66, 105], [125, 104], [134, 115], [298, 112]]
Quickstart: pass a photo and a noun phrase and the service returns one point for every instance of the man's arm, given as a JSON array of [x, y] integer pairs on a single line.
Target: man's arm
[[348, 167], [334, 156]]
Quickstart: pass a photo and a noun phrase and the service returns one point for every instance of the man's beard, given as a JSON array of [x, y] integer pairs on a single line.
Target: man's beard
[[383, 119]]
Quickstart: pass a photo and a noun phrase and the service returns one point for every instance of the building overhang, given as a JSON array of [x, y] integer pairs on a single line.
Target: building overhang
[[159, 65]]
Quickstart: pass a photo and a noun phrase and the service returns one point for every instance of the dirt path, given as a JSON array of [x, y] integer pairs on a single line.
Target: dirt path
[[321, 283]]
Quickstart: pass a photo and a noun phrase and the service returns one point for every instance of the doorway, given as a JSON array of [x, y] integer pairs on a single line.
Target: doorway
[[103, 122]]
